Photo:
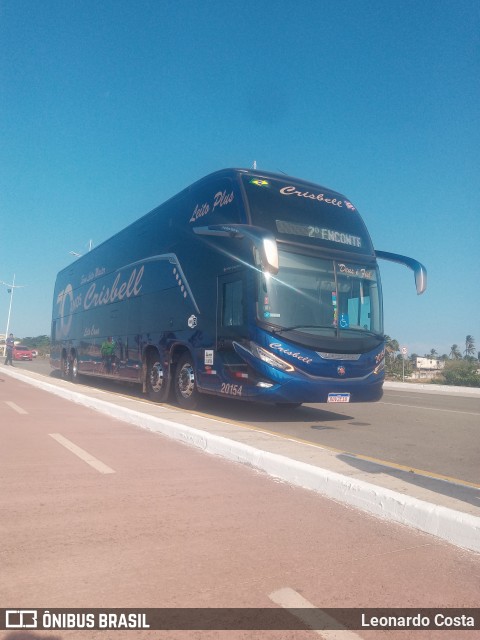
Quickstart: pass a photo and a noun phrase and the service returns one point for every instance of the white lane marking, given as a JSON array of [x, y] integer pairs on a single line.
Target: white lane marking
[[81, 453], [412, 406], [16, 408], [291, 599]]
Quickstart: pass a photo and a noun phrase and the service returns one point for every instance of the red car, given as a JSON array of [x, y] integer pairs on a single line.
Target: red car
[[22, 353]]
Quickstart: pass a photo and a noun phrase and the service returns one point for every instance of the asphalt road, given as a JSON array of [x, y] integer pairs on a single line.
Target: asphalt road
[[431, 433]]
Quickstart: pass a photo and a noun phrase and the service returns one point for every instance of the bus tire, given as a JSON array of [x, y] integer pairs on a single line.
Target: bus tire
[[74, 367], [184, 383], [157, 383], [65, 369]]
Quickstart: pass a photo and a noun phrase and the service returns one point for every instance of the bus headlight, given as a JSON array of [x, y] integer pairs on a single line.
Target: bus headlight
[[270, 251], [270, 358]]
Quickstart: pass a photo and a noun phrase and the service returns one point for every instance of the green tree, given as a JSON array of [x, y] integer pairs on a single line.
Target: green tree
[[40, 343], [469, 346], [391, 346], [393, 359], [455, 353]]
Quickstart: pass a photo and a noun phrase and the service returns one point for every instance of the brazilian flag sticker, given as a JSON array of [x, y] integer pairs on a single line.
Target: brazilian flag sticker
[[259, 182]]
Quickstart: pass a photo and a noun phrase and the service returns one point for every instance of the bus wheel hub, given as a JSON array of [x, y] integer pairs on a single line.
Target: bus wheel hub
[[156, 377], [186, 380]]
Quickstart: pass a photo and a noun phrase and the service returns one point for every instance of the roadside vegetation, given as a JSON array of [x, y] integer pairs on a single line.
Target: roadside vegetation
[[460, 367], [463, 373], [41, 344]]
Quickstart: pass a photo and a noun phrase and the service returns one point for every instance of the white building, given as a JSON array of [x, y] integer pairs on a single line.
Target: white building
[[429, 364]]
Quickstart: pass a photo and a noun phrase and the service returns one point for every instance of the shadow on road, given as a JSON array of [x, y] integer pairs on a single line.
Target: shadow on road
[[466, 494]]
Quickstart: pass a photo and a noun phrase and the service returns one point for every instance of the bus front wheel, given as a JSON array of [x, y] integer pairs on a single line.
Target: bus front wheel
[[185, 386]]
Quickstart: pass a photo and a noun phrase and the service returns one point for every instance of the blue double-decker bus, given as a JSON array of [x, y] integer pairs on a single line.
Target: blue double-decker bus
[[247, 284]]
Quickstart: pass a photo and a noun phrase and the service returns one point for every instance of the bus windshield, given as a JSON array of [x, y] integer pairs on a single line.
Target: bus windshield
[[311, 216], [323, 298]]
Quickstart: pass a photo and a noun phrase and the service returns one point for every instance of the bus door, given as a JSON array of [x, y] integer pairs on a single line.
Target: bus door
[[231, 320]]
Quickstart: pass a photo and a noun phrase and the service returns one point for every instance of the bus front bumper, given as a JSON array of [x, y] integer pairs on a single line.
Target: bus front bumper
[[292, 385]]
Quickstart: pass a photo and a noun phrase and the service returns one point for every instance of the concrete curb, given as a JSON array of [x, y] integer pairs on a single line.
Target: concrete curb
[[455, 527]]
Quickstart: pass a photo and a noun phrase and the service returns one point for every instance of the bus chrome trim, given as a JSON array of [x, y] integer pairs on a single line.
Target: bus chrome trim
[[339, 356]]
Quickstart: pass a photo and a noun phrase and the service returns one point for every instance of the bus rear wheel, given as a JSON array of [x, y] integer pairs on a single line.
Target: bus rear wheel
[[65, 368], [157, 383], [185, 386], [74, 368]]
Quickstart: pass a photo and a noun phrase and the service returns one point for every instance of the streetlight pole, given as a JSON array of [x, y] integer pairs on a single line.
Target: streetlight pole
[[11, 289]]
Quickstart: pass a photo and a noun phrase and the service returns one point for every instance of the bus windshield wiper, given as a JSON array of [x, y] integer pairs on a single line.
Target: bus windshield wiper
[[366, 332], [299, 326], [316, 326]]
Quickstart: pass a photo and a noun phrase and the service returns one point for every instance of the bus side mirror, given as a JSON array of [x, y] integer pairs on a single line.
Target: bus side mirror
[[263, 241], [418, 269]]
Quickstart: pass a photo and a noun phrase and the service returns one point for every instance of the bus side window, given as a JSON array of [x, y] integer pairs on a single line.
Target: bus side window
[[232, 308]]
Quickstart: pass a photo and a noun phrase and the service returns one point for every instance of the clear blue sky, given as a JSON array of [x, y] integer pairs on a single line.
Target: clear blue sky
[[108, 108]]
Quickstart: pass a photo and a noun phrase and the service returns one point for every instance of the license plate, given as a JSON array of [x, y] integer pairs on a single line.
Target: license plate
[[338, 397]]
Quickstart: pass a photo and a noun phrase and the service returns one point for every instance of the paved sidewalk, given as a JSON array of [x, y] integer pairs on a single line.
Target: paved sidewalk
[[443, 509]]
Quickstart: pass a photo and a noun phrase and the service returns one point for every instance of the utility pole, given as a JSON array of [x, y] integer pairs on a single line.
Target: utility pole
[[404, 355], [11, 288]]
